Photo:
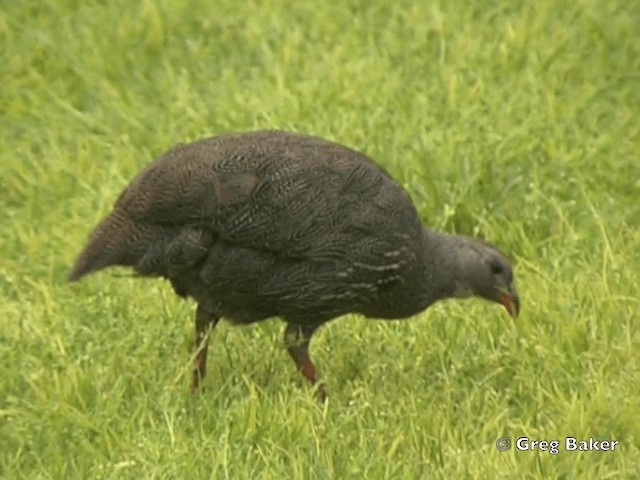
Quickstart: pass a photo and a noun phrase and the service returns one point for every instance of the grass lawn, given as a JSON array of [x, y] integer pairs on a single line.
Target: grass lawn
[[518, 122]]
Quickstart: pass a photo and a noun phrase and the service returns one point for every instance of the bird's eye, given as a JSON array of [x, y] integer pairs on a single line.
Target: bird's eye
[[496, 268]]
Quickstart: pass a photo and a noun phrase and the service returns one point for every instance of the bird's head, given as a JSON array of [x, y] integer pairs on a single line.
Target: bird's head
[[482, 270]]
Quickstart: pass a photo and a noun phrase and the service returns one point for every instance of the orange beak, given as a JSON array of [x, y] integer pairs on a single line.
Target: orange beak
[[511, 302]]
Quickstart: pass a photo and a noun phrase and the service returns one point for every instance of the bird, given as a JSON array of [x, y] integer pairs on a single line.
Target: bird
[[263, 224]]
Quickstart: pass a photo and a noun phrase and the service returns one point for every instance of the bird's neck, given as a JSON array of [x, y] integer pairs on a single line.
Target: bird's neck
[[437, 270], [431, 277]]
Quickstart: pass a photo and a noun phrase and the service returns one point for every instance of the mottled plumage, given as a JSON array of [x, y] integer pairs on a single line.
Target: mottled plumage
[[267, 224]]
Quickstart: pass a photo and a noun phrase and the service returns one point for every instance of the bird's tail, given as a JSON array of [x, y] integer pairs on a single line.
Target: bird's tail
[[109, 244]]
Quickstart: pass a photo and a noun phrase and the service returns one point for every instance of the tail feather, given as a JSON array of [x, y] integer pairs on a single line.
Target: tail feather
[[109, 244]]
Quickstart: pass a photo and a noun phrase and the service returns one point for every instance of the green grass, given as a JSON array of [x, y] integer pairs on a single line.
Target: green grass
[[514, 121]]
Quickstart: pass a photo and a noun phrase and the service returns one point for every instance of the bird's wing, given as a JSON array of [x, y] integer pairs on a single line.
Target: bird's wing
[[308, 200]]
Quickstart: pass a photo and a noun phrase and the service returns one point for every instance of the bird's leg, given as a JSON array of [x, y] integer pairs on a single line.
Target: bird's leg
[[205, 322], [297, 338]]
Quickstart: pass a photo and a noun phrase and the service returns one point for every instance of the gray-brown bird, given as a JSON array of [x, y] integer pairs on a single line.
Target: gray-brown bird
[[276, 224]]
